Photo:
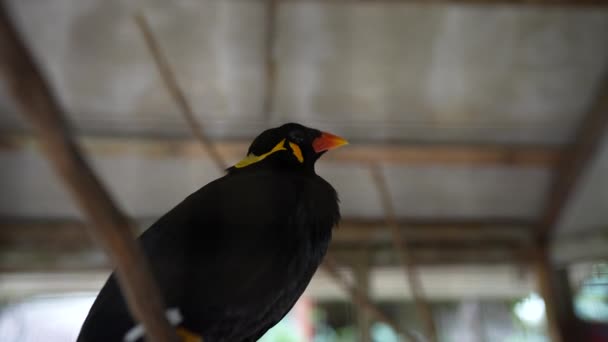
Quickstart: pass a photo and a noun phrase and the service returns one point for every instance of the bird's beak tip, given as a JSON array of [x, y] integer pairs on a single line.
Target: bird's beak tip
[[327, 141]]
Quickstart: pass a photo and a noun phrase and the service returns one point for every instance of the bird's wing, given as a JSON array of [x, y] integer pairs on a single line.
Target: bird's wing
[[220, 253], [233, 257]]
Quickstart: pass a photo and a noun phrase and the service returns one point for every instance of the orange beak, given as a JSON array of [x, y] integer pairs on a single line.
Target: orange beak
[[327, 141]]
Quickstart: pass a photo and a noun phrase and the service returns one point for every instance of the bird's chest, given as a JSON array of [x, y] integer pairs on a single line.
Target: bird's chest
[[310, 225]]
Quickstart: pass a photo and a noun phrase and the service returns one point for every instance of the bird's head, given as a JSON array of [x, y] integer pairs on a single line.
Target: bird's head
[[290, 146]]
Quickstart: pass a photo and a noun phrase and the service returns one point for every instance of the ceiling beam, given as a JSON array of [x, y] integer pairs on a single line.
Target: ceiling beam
[[81, 255], [350, 231], [64, 245], [573, 3], [574, 161], [472, 231], [410, 154]]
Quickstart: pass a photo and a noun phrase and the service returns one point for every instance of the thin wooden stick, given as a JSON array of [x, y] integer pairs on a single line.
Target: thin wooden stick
[[271, 65], [403, 253], [360, 299], [110, 227], [170, 82]]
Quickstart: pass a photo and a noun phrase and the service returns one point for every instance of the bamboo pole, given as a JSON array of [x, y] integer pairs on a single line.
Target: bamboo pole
[[423, 309], [109, 226], [170, 82], [360, 299]]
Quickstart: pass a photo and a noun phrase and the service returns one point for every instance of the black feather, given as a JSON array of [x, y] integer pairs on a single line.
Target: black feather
[[236, 255]]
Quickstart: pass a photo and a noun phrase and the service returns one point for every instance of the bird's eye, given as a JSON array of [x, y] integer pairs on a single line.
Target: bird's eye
[[297, 137]]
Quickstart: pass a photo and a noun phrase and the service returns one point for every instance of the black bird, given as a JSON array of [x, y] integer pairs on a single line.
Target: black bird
[[233, 257]]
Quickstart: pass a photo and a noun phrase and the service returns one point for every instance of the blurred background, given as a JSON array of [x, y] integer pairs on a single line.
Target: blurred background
[[486, 121]]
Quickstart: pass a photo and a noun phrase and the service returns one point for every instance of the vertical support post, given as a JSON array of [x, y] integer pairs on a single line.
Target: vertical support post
[[554, 287], [362, 278]]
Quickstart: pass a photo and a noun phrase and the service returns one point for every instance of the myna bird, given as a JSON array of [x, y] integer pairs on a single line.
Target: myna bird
[[233, 257]]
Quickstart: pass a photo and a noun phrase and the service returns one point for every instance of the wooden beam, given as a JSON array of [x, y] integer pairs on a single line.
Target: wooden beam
[[110, 228], [435, 231], [477, 155], [396, 154], [63, 245], [58, 256], [575, 161], [66, 231], [560, 3], [439, 255]]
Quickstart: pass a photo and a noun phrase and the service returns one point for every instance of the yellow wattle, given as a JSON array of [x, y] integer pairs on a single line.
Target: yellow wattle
[[297, 151], [252, 158]]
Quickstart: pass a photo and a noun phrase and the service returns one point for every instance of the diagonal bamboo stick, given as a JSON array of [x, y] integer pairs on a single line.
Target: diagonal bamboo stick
[[110, 227], [407, 261], [360, 299], [170, 82]]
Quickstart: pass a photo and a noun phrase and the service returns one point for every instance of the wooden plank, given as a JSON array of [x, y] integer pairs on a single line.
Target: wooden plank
[[448, 154], [438, 231], [35, 100], [396, 154], [382, 256]]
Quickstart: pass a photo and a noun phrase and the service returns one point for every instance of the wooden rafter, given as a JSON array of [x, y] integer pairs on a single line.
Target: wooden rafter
[[349, 232], [109, 227], [37, 256], [573, 3], [352, 230], [394, 154]]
